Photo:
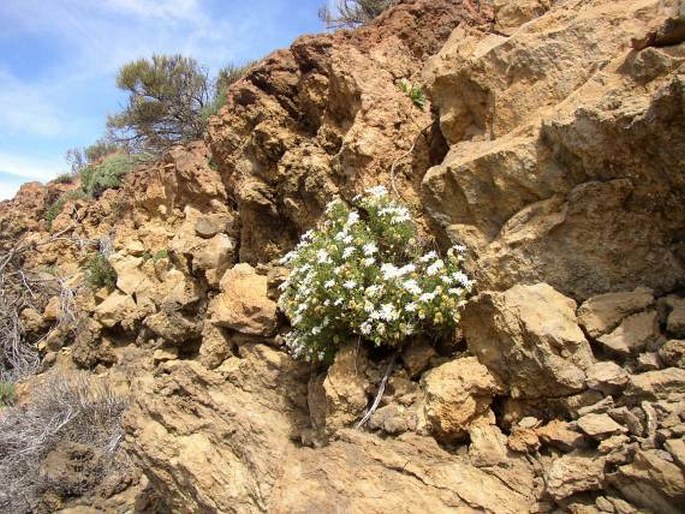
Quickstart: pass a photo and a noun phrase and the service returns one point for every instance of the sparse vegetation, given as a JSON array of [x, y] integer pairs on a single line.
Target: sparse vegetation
[[100, 273], [362, 275], [96, 178], [76, 417], [65, 178], [157, 256], [57, 206], [227, 75], [415, 93], [7, 394], [101, 149], [352, 13], [19, 289]]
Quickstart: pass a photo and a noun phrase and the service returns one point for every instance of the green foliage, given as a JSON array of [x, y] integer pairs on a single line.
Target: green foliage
[[65, 178], [351, 13], [167, 95], [157, 256], [57, 206], [414, 92], [7, 394], [96, 178], [100, 273], [361, 274]]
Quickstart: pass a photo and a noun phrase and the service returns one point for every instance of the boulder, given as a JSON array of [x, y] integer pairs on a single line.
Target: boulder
[[675, 324], [216, 346], [394, 419], [417, 357], [601, 314], [209, 225], [560, 434], [676, 447], [600, 426], [600, 407], [633, 334], [457, 393], [165, 354], [53, 310], [528, 337], [338, 397], [649, 361], [573, 473], [652, 482], [210, 255], [131, 279], [90, 348], [134, 247], [214, 256], [523, 440], [32, 321], [173, 326], [243, 305], [118, 308], [663, 384], [488, 445], [673, 353], [628, 419], [607, 377]]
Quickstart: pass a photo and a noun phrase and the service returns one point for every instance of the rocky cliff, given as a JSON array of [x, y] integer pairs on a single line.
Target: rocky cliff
[[553, 150]]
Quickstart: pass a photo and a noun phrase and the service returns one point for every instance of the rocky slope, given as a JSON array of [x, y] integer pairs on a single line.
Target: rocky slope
[[553, 150]]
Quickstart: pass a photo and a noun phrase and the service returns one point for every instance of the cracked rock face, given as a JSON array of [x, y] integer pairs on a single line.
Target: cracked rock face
[[564, 152], [553, 150]]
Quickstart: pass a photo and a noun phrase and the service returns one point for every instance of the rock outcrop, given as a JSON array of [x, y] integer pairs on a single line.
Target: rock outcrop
[[553, 150], [563, 151]]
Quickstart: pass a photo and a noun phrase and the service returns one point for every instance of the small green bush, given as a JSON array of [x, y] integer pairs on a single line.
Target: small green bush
[[415, 93], [157, 256], [7, 394], [57, 206], [361, 274], [65, 178], [100, 273], [96, 178]]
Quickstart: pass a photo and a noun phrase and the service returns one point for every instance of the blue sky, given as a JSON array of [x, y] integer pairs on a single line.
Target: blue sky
[[59, 59]]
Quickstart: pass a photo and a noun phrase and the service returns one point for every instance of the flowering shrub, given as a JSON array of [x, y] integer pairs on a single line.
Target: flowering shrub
[[361, 273]]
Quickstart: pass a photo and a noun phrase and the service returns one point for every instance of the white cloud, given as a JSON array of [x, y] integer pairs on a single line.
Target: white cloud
[[30, 168], [171, 9]]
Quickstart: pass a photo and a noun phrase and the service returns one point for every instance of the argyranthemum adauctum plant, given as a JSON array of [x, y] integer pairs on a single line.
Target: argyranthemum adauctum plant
[[361, 273]]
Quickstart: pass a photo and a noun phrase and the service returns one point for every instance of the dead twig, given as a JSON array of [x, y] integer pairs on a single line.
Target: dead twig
[[379, 394]]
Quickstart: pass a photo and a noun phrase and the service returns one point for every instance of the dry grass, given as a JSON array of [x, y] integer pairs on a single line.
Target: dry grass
[[64, 412], [19, 290]]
